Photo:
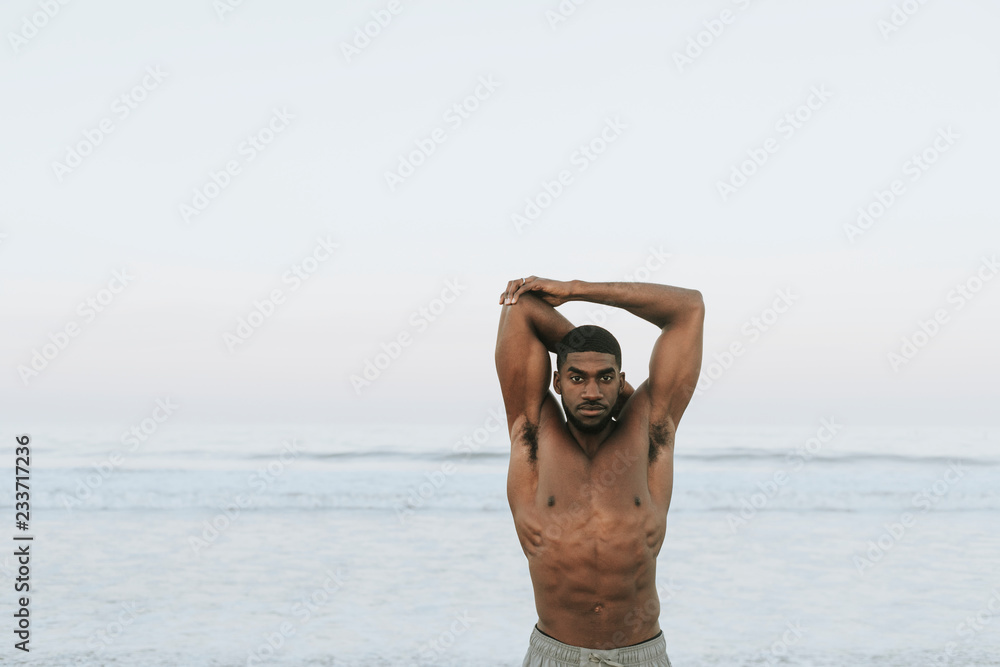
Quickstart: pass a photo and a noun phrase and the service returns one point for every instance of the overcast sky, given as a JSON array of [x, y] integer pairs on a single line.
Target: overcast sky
[[370, 185]]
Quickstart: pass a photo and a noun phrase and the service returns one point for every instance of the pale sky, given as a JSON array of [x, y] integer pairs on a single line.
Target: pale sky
[[836, 110]]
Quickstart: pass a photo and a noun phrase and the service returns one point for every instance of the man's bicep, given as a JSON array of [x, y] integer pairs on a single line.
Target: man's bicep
[[674, 366], [523, 367]]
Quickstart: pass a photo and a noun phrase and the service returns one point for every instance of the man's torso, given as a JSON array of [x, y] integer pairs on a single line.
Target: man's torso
[[593, 528]]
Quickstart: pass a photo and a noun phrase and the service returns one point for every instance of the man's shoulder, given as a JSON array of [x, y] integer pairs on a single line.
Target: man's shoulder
[[640, 423]]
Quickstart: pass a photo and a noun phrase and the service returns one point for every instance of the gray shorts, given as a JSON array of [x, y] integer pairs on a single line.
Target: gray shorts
[[544, 651]]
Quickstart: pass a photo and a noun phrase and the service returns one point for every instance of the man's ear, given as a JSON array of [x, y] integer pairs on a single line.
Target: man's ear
[[621, 381], [555, 382]]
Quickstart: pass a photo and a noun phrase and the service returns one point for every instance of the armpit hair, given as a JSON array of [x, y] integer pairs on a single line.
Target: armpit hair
[[529, 433], [659, 436]]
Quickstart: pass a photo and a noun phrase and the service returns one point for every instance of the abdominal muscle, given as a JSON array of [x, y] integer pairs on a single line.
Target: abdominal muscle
[[593, 568]]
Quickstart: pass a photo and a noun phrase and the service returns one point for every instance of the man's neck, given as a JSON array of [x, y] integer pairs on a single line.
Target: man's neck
[[590, 443]]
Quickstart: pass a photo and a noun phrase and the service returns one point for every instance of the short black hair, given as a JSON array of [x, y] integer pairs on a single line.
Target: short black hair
[[588, 338]]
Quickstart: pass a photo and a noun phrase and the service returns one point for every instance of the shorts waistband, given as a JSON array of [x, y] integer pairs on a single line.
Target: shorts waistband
[[626, 656]]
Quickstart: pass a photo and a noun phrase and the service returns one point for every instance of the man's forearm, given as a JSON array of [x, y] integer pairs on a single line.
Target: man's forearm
[[659, 304], [548, 324]]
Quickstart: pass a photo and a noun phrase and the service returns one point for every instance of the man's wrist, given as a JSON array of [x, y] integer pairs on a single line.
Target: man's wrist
[[602, 293], [577, 290]]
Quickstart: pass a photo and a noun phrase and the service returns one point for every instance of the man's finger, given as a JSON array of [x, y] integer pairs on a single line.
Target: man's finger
[[512, 290], [507, 297], [523, 287]]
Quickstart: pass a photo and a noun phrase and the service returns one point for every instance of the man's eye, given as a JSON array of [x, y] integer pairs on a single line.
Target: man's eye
[[575, 378], [607, 378]]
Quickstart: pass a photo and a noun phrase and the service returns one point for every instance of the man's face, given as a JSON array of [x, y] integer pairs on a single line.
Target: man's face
[[589, 385]]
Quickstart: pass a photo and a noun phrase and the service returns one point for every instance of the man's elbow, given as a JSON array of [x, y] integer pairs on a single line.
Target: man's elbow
[[695, 307], [693, 312], [698, 302]]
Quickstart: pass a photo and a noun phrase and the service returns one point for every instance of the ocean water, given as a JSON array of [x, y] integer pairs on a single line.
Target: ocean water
[[391, 545]]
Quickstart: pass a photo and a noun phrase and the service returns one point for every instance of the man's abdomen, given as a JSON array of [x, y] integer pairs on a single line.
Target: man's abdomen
[[593, 569]]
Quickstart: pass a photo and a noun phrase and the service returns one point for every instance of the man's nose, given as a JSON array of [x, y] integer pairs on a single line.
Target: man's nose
[[591, 390]]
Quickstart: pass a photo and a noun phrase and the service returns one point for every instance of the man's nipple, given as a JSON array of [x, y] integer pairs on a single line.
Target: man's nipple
[[552, 501]]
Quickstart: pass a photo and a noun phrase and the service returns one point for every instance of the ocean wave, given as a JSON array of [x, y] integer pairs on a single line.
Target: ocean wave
[[720, 456]]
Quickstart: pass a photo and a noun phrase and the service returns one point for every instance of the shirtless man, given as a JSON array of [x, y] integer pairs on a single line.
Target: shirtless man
[[589, 492]]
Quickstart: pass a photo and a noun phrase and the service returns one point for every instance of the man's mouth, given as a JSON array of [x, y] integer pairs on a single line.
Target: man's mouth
[[591, 410]]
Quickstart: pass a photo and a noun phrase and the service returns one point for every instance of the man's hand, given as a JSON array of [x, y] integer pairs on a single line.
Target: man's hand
[[552, 292]]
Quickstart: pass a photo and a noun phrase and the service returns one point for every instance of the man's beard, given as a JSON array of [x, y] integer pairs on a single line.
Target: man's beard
[[580, 426]]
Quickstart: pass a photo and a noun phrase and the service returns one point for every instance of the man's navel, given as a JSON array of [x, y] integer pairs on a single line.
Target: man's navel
[[552, 501]]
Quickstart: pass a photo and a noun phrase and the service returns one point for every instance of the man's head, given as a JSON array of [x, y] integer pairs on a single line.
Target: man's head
[[588, 376]]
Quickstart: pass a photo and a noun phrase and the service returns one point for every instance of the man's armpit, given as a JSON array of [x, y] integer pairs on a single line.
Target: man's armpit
[[660, 435], [529, 438]]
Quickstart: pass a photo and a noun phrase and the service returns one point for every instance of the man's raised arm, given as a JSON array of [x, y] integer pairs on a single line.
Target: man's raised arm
[[528, 331], [680, 313]]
